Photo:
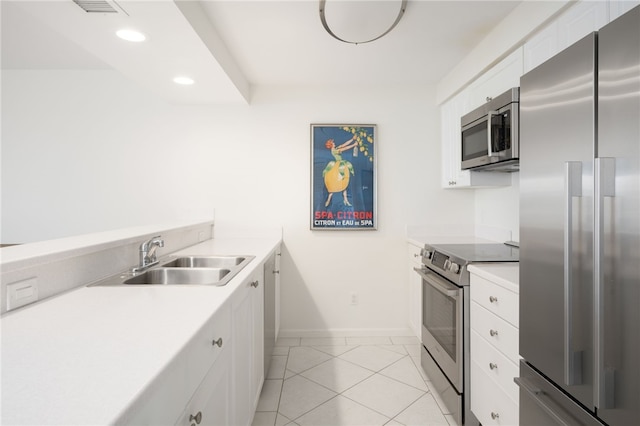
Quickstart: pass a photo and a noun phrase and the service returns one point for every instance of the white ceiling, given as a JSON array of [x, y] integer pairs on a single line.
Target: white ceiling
[[228, 46]]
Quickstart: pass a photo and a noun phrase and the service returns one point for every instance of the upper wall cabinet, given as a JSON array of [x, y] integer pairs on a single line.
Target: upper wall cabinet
[[575, 23], [620, 7], [505, 75], [502, 77]]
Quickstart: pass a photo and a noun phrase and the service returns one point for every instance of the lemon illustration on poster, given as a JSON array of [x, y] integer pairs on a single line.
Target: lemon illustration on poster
[[343, 192]]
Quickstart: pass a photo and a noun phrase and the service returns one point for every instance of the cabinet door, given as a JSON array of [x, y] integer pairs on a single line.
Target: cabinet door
[[211, 404], [247, 347], [541, 47], [415, 291], [502, 77], [620, 7], [278, 262], [580, 20]]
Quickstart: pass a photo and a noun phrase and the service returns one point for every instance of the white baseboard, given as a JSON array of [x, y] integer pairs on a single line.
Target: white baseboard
[[356, 332]]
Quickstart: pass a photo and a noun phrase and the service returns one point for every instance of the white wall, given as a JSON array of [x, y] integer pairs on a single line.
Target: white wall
[[500, 207], [87, 150]]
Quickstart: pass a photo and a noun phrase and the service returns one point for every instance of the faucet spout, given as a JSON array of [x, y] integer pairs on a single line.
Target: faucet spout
[[148, 253]]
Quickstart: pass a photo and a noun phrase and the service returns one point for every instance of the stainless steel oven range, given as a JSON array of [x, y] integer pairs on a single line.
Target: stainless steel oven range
[[445, 318]]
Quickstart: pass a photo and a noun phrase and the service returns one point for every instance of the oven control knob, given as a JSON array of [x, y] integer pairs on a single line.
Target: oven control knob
[[426, 253], [454, 267]]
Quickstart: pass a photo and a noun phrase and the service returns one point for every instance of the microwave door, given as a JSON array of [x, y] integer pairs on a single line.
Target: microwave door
[[474, 144]]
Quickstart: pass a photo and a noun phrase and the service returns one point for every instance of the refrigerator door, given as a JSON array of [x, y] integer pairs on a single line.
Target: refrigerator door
[[557, 134], [541, 403], [618, 213]]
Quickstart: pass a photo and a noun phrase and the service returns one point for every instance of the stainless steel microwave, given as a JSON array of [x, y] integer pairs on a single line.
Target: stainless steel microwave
[[490, 134]]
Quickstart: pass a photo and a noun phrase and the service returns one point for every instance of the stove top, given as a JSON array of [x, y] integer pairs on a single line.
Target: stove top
[[451, 260], [479, 252]]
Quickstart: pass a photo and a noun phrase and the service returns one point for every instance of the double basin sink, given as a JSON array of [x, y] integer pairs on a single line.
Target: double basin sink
[[186, 270]]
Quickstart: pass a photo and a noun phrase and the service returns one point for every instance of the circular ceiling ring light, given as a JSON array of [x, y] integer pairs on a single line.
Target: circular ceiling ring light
[[323, 19]]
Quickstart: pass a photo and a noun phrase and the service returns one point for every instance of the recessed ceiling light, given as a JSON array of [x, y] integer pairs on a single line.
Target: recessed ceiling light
[[131, 35], [183, 80]]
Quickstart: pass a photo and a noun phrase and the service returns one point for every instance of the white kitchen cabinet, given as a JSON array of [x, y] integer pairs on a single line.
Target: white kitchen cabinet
[[278, 262], [573, 24], [451, 174], [580, 20], [189, 377], [211, 404], [415, 291], [500, 78], [620, 7], [494, 351], [247, 342]]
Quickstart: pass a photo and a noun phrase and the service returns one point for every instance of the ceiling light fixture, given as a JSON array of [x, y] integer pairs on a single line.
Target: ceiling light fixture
[[183, 80], [362, 21], [131, 35]]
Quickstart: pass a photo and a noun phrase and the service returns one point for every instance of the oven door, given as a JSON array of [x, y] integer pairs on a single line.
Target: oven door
[[442, 324]]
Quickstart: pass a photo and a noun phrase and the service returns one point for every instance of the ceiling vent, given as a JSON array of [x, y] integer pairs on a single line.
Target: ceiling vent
[[99, 6]]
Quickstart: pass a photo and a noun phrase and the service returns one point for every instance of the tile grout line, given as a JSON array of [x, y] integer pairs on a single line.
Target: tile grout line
[[407, 353]]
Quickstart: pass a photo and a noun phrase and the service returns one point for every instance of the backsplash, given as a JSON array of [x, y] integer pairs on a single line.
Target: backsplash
[[45, 269]]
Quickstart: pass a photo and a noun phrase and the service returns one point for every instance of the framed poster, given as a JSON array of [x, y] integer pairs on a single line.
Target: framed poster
[[343, 177]]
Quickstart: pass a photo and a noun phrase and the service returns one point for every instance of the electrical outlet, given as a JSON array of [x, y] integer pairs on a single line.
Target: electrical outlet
[[22, 293], [354, 298]]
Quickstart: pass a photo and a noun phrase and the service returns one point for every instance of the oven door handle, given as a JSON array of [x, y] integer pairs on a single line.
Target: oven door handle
[[438, 286]]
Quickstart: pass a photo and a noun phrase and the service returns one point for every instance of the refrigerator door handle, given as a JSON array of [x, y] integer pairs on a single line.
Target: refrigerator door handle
[[605, 173], [537, 395], [573, 189]]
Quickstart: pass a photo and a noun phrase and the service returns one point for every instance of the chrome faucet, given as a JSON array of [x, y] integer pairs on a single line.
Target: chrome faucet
[[148, 253]]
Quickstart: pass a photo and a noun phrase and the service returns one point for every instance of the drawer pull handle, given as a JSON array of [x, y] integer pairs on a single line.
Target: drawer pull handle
[[493, 333], [255, 284], [495, 416], [218, 342], [493, 299], [197, 418], [493, 366]]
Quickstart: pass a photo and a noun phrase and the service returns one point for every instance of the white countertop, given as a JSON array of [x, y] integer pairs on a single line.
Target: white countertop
[[84, 356], [504, 274]]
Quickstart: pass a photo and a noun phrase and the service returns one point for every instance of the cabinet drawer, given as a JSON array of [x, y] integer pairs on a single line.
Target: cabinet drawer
[[499, 333], [202, 351], [496, 299], [489, 402], [494, 364]]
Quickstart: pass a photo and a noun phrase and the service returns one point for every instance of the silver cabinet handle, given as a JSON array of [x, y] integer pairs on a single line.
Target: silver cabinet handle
[[218, 342], [490, 115], [493, 299], [197, 418], [276, 272], [605, 173], [493, 366], [493, 333], [495, 416], [255, 284], [572, 189]]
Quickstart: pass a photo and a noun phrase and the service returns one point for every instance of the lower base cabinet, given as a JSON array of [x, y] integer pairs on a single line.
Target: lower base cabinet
[[247, 344], [218, 377], [494, 351], [211, 404]]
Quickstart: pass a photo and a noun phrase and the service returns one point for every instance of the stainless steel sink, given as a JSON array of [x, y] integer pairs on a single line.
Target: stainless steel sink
[[184, 270], [205, 262], [167, 276]]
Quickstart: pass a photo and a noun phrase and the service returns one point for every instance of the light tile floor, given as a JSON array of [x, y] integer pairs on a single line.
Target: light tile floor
[[356, 381]]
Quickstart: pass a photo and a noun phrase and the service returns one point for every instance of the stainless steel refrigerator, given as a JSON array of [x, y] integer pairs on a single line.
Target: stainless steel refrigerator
[[580, 232]]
